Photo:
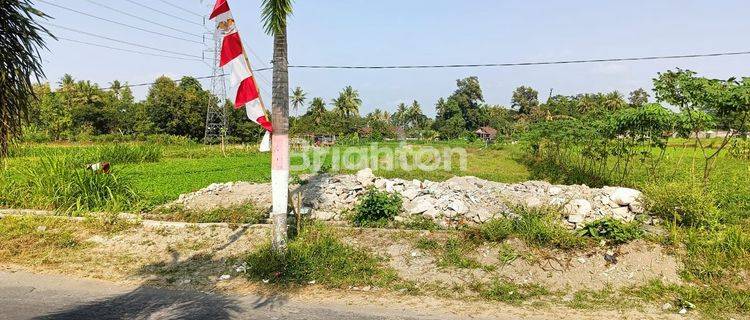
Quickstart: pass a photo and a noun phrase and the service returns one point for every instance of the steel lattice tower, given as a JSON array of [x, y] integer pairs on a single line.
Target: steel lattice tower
[[216, 113]]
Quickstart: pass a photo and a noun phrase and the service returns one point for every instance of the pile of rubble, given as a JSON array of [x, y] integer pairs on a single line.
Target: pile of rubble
[[472, 200], [458, 200]]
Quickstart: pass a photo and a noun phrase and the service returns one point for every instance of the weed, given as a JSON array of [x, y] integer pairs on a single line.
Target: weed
[[377, 208], [616, 231], [454, 255], [507, 254]]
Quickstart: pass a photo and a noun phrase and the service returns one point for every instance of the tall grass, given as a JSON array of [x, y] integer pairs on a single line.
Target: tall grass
[[63, 184], [123, 153]]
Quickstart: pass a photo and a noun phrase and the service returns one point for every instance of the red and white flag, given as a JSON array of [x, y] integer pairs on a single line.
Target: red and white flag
[[243, 88]]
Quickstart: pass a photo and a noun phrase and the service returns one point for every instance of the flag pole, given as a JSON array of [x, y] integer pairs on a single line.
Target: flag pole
[[255, 81]]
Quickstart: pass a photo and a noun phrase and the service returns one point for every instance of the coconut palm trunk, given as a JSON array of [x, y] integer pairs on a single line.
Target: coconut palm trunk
[[280, 151], [274, 14]]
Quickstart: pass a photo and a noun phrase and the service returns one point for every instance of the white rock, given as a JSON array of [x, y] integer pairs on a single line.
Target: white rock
[[533, 202], [225, 277], [416, 183], [637, 207], [324, 215], [577, 210], [557, 201], [380, 183], [482, 215], [622, 213], [365, 177], [553, 190], [431, 213], [421, 205], [666, 306], [625, 196], [458, 206], [410, 194]]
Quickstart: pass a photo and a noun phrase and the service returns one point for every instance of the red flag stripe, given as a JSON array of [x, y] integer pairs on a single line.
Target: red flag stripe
[[221, 7], [231, 48], [246, 92], [263, 121]]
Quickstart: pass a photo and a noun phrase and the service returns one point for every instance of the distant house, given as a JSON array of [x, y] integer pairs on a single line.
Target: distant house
[[486, 133]]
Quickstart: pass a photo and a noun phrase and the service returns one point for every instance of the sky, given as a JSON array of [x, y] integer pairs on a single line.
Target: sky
[[406, 32]]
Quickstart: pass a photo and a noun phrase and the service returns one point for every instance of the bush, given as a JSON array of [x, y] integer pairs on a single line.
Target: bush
[[318, 255], [123, 153], [686, 204], [617, 232], [377, 208]]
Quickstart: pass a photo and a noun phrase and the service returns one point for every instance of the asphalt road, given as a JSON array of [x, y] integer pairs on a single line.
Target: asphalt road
[[31, 296]]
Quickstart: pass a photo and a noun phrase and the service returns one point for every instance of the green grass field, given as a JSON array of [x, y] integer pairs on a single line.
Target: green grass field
[[187, 168]]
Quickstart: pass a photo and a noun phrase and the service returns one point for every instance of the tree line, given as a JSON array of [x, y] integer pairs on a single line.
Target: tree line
[[81, 109]]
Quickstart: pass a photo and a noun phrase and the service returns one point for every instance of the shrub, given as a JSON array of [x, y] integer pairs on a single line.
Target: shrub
[[377, 208], [318, 255], [686, 204], [613, 230]]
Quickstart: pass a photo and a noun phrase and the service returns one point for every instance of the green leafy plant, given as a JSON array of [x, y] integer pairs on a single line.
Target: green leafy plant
[[377, 208], [617, 232]]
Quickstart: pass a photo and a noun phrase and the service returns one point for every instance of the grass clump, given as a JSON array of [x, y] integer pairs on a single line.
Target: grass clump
[[450, 253], [712, 254], [508, 292], [615, 231], [377, 208], [683, 204], [318, 255], [711, 301], [240, 214], [537, 227]]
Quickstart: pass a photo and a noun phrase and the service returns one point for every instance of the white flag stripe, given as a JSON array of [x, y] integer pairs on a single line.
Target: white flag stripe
[[254, 110], [238, 70]]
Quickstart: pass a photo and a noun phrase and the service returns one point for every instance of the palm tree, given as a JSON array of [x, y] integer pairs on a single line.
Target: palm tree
[[116, 87], [348, 102], [399, 117], [317, 109], [274, 14], [22, 38], [298, 98], [614, 101]]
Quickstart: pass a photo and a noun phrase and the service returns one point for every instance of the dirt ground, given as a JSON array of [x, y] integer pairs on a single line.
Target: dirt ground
[[205, 258]]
